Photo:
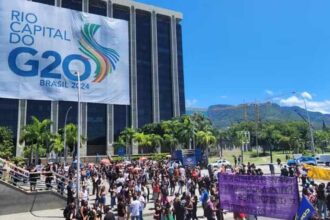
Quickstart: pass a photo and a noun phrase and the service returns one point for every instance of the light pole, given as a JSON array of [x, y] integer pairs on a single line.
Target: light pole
[[78, 144], [309, 126], [65, 147]]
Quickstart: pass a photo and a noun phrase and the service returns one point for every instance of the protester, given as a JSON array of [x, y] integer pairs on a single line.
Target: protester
[[109, 215], [123, 189]]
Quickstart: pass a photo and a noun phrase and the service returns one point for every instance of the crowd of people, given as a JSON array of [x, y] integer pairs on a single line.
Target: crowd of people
[[123, 190]]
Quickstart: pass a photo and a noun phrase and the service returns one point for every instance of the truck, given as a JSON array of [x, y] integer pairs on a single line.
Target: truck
[[323, 159]]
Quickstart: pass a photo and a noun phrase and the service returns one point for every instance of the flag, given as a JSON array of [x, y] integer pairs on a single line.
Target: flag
[[305, 211]]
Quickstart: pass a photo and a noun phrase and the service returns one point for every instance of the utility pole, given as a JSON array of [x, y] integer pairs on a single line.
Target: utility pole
[[245, 116], [257, 125], [310, 128], [78, 145], [65, 147]]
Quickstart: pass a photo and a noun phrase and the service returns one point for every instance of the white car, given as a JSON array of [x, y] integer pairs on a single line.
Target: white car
[[220, 163]]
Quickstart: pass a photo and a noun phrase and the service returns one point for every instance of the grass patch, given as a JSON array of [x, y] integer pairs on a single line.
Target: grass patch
[[251, 156]]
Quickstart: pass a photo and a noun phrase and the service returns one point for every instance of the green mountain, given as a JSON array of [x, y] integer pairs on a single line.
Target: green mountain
[[190, 111], [225, 115]]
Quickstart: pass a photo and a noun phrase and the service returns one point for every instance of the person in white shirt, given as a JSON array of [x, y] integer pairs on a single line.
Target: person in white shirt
[[84, 193], [143, 204], [135, 207]]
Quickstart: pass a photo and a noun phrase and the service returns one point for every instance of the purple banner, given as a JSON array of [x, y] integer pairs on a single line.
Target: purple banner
[[270, 196]]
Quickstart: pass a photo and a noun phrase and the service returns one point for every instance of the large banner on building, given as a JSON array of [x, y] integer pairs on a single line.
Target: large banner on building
[[44, 49], [271, 196]]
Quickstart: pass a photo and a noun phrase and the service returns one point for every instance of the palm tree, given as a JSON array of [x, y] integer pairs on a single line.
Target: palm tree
[[171, 141], [36, 136], [58, 144], [206, 139], [187, 131], [71, 138], [6, 143], [126, 138], [156, 142], [142, 139]]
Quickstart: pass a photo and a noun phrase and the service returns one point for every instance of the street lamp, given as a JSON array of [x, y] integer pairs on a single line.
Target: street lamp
[[78, 143], [65, 147]]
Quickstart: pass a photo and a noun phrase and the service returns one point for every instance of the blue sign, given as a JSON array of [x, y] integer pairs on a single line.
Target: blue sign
[[305, 211], [121, 151], [189, 160]]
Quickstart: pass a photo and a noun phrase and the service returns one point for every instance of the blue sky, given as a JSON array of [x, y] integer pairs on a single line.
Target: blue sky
[[246, 50]]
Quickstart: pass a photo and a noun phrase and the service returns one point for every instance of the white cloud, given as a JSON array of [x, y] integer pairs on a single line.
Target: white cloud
[[269, 92], [191, 102], [315, 106], [223, 97], [306, 95]]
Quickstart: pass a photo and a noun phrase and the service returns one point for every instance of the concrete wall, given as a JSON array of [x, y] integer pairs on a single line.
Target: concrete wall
[[13, 200]]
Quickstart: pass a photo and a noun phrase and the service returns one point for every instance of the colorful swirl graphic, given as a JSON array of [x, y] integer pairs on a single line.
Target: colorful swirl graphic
[[104, 58]]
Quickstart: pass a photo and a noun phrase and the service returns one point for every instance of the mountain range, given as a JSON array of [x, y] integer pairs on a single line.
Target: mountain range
[[223, 116]]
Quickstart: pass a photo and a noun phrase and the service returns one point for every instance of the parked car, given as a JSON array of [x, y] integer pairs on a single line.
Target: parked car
[[307, 160], [292, 162], [220, 163], [302, 160], [323, 159]]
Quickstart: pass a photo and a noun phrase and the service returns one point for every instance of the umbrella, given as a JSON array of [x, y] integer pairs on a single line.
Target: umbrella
[[137, 168], [143, 158], [105, 161]]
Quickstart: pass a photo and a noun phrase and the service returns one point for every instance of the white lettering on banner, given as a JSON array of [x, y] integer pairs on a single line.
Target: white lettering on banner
[[45, 47]]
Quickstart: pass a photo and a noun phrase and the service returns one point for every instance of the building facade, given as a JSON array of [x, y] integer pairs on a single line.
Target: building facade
[[156, 79]]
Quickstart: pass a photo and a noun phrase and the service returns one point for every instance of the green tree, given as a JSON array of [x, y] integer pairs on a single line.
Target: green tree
[[126, 138], [37, 137], [205, 139], [187, 131], [322, 139], [156, 142], [169, 140], [6, 143], [71, 131], [58, 144]]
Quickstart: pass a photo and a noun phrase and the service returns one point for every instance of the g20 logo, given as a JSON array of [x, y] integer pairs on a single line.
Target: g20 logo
[[48, 71]]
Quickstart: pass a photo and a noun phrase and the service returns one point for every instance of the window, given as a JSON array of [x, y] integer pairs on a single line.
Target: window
[[121, 112], [39, 109], [144, 67], [72, 116], [98, 7], [9, 115], [164, 67], [180, 69], [96, 129], [72, 4], [47, 2]]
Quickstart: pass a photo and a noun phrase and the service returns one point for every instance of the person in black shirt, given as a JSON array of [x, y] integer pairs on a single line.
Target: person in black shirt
[[178, 208], [33, 179], [70, 197], [121, 209], [108, 214]]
